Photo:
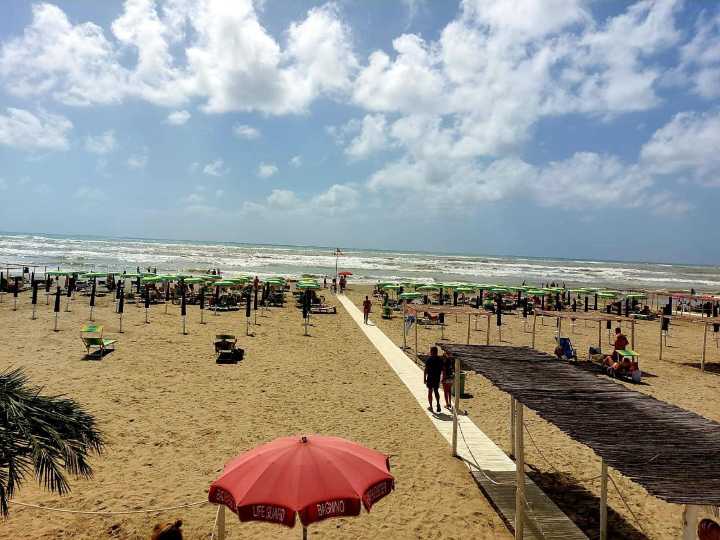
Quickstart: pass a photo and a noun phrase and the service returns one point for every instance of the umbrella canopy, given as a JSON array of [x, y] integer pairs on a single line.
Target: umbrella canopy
[[316, 477], [307, 285], [60, 273], [90, 275], [607, 294], [151, 279], [465, 289], [427, 288], [194, 280], [536, 292], [345, 273], [639, 296], [500, 290], [391, 287], [225, 283], [410, 296]]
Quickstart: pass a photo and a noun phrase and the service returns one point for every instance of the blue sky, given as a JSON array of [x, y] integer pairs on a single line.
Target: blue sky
[[546, 128]]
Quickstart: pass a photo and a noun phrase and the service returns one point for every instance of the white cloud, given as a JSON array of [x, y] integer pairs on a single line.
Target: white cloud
[[245, 132], [688, 144], [701, 57], [337, 199], [101, 144], [90, 194], [296, 161], [178, 118], [266, 170], [215, 50], [372, 137], [75, 64], [138, 161], [216, 168], [282, 199], [27, 131]]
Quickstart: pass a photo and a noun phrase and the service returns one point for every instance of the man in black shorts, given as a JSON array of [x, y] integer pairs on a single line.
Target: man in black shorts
[[433, 370]]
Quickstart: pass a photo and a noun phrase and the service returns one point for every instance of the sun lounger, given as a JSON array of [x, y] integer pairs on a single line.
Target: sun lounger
[[565, 350], [322, 309], [226, 349], [92, 337]]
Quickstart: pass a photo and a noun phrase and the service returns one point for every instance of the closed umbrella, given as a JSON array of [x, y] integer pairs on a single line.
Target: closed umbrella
[[183, 306], [121, 305], [16, 291], [56, 308], [147, 302], [69, 293], [248, 307], [34, 297], [202, 303], [313, 478], [92, 300]]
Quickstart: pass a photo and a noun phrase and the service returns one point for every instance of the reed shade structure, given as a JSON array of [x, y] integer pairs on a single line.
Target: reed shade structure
[[707, 322], [672, 453], [596, 316], [419, 310]]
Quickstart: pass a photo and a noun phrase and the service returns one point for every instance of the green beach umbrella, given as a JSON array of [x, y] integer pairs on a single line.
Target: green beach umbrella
[[410, 296], [194, 280], [150, 279], [427, 288], [307, 285], [639, 296], [225, 283], [500, 290], [607, 294], [465, 289], [90, 275], [130, 275], [59, 273], [537, 292]]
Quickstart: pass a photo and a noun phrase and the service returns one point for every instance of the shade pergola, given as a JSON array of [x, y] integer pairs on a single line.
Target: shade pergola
[[447, 309], [673, 454], [593, 316]]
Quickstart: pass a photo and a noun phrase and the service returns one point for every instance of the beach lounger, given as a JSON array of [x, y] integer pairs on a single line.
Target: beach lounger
[[92, 337], [226, 349], [565, 349], [322, 309]]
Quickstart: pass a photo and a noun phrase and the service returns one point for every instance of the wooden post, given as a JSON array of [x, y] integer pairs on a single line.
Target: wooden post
[[559, 328], [702, 361], [603, 500], [468, 332], [120, 331], [184, 330], [487, 337], [600, 336], [404, 329], [416, 325], [632, 334], [519, 473], [221, 522], [533, 331], [512, 426], [56, 322], [661, 336], [456, 405], [690, 522], [305, 533]]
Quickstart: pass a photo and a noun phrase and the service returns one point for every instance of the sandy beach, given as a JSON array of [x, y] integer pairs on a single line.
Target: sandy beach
[[172, 418], [562, 466]]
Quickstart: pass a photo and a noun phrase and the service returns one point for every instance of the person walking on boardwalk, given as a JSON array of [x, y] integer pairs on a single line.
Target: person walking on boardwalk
[[367, 304], [448, 371], [433, 371]]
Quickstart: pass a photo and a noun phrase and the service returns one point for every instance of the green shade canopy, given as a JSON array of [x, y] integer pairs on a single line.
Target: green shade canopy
[[607, 294], [465, 289], [427, 288], [580, 291], [225, 283], [484, 286], [410, 296], [150, 279], [639, 296], [59, 273], [307, 285], [536, 292], [90, 275], [499, 290], [194, 280]]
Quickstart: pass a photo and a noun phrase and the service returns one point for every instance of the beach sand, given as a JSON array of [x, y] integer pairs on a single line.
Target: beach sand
[[561, 465], [172, 418]]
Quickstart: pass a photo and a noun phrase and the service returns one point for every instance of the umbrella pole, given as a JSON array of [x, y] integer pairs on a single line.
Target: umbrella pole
[[92, 308], [120, 331], [487, 335], [532, 343], [404, 329], [202, 311], [702, 361], [416, 325], [468, 332], [56, 322], [15, 304], [146, 316], [34, 317], [305, 533], [220, 519], [184, 332]]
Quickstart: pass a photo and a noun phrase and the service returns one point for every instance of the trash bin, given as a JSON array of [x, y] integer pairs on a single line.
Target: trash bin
[[462, 384]]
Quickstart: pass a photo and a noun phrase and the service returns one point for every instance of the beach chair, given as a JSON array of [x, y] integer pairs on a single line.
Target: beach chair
[[226, 349], [565, 349], [92, 337], [316, 309]]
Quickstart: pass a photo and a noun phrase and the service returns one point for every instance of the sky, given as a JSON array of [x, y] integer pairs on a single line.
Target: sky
[[556, 128]]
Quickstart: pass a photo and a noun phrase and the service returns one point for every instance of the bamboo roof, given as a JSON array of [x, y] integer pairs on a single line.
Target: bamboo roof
[[673, 453], [447, 309], [584, 315]]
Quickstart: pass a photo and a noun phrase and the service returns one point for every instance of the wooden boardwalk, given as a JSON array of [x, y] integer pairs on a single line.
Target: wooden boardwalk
[[492, 469]]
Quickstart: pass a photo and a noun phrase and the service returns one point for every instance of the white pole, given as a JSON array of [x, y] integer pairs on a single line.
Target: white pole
[[456, 405], [690, 519], [603, 500], [92, 308], [532, 343], [184, 332], [146, 316], [702, 361], [221, 522], [121, 316], [34, 317], [519, 473], [416, 325], [202, 311], [404, 329], [56, 322]]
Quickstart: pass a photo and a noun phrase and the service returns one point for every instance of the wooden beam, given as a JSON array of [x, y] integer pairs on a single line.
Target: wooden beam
[[519, 473], [456, 405], [690, 522]]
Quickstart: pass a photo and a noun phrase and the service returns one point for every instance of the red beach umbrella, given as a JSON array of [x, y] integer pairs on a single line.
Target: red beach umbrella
[[316, 477], [345, 273]]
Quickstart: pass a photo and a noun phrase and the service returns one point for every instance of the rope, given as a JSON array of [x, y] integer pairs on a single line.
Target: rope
[[622, 498], [108, 512]]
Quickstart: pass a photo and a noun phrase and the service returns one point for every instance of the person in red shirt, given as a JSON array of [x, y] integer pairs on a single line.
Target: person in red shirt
[[367, 304], [621, 342]]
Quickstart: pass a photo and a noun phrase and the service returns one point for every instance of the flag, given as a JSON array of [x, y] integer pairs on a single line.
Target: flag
[[338, 252]]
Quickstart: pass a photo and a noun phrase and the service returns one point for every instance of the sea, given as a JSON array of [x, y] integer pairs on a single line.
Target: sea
[[367, 266]]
